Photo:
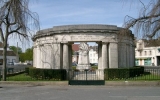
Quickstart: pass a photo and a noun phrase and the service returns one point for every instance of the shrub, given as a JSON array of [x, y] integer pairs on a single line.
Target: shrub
[[123, 73], [51, 74], [27, 70]]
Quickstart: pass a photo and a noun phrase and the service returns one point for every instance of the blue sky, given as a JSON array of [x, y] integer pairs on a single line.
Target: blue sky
[[65, 12]]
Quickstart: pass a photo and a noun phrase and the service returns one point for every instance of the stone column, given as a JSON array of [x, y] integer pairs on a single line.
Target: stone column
[[35, 56], [104, 55], [133, 57], [100, 56], [124, 57], [131, 54], [65, 56], [127, 55], [38, 57], [113, 55]]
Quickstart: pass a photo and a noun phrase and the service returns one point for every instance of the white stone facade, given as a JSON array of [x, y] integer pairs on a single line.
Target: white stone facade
[[147, 53], [93, 56], [52, 47]]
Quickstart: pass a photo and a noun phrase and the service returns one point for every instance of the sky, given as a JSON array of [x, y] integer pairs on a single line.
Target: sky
[[68, 12]]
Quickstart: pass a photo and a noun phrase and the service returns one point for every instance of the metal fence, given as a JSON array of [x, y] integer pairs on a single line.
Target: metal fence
[[16, 73], [150, 73], [86, 77]]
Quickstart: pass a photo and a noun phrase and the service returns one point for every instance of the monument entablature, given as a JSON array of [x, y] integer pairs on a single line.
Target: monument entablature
[[52, 46]]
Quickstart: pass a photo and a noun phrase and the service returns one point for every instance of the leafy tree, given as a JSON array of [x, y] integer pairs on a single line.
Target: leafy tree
[[16, 20], [22, 57], [27, 55], [15, 49], [148, 22]]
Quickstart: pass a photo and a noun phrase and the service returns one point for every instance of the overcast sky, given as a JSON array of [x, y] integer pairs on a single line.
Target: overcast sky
[[66, 12]]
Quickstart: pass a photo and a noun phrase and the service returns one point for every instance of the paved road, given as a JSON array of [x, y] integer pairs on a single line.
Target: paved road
[[30, 92]]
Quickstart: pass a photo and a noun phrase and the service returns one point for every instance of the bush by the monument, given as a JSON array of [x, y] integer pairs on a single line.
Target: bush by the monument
[[48, 74], [27, 70], [123, 73]]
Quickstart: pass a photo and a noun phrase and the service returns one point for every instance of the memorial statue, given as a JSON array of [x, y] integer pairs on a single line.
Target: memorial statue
[[83, 61]]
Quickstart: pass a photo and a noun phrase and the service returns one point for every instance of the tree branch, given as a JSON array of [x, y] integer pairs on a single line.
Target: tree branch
[[154, 32], [134, 21]]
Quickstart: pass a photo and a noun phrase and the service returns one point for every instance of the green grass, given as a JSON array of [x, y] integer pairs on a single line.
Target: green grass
[[20, 77], [148, 77], [24, 77]]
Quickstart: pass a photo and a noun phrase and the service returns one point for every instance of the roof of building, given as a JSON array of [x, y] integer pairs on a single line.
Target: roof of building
[[95, 48], [75, 47], [152, 43]]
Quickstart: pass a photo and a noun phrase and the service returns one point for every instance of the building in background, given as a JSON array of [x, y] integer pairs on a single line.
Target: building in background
[[93, 55], [75, 49], [147, 52], [11, 56]]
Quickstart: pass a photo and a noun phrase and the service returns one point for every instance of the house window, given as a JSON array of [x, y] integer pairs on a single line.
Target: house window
[[158, 50], [150, 52], [140, 53], [145, 52]]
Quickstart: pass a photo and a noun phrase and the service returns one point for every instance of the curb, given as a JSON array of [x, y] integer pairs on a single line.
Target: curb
[[65, 83], [39, 83], [132, 83]]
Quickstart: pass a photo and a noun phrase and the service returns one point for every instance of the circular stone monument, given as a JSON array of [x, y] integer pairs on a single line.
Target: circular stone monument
[[52, 48]]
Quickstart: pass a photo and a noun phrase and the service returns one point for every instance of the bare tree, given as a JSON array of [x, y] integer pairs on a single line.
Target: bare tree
[[16, 20], [148, 23]]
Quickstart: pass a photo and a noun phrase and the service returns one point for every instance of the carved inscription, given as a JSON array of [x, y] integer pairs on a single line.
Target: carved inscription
[[85, 37]]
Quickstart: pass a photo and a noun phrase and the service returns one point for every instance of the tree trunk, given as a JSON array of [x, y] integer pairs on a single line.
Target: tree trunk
[[4, 60]]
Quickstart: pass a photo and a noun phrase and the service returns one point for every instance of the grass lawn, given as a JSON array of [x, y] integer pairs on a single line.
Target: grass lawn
[[20, 77], [24, 77], [148, 77]]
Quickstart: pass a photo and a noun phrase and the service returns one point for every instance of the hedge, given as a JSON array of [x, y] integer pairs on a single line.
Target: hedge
[[50, 74], [123, 73]]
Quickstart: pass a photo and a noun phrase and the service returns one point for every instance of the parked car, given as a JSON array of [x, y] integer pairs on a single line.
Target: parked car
[[74, 64], [10, 63]]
